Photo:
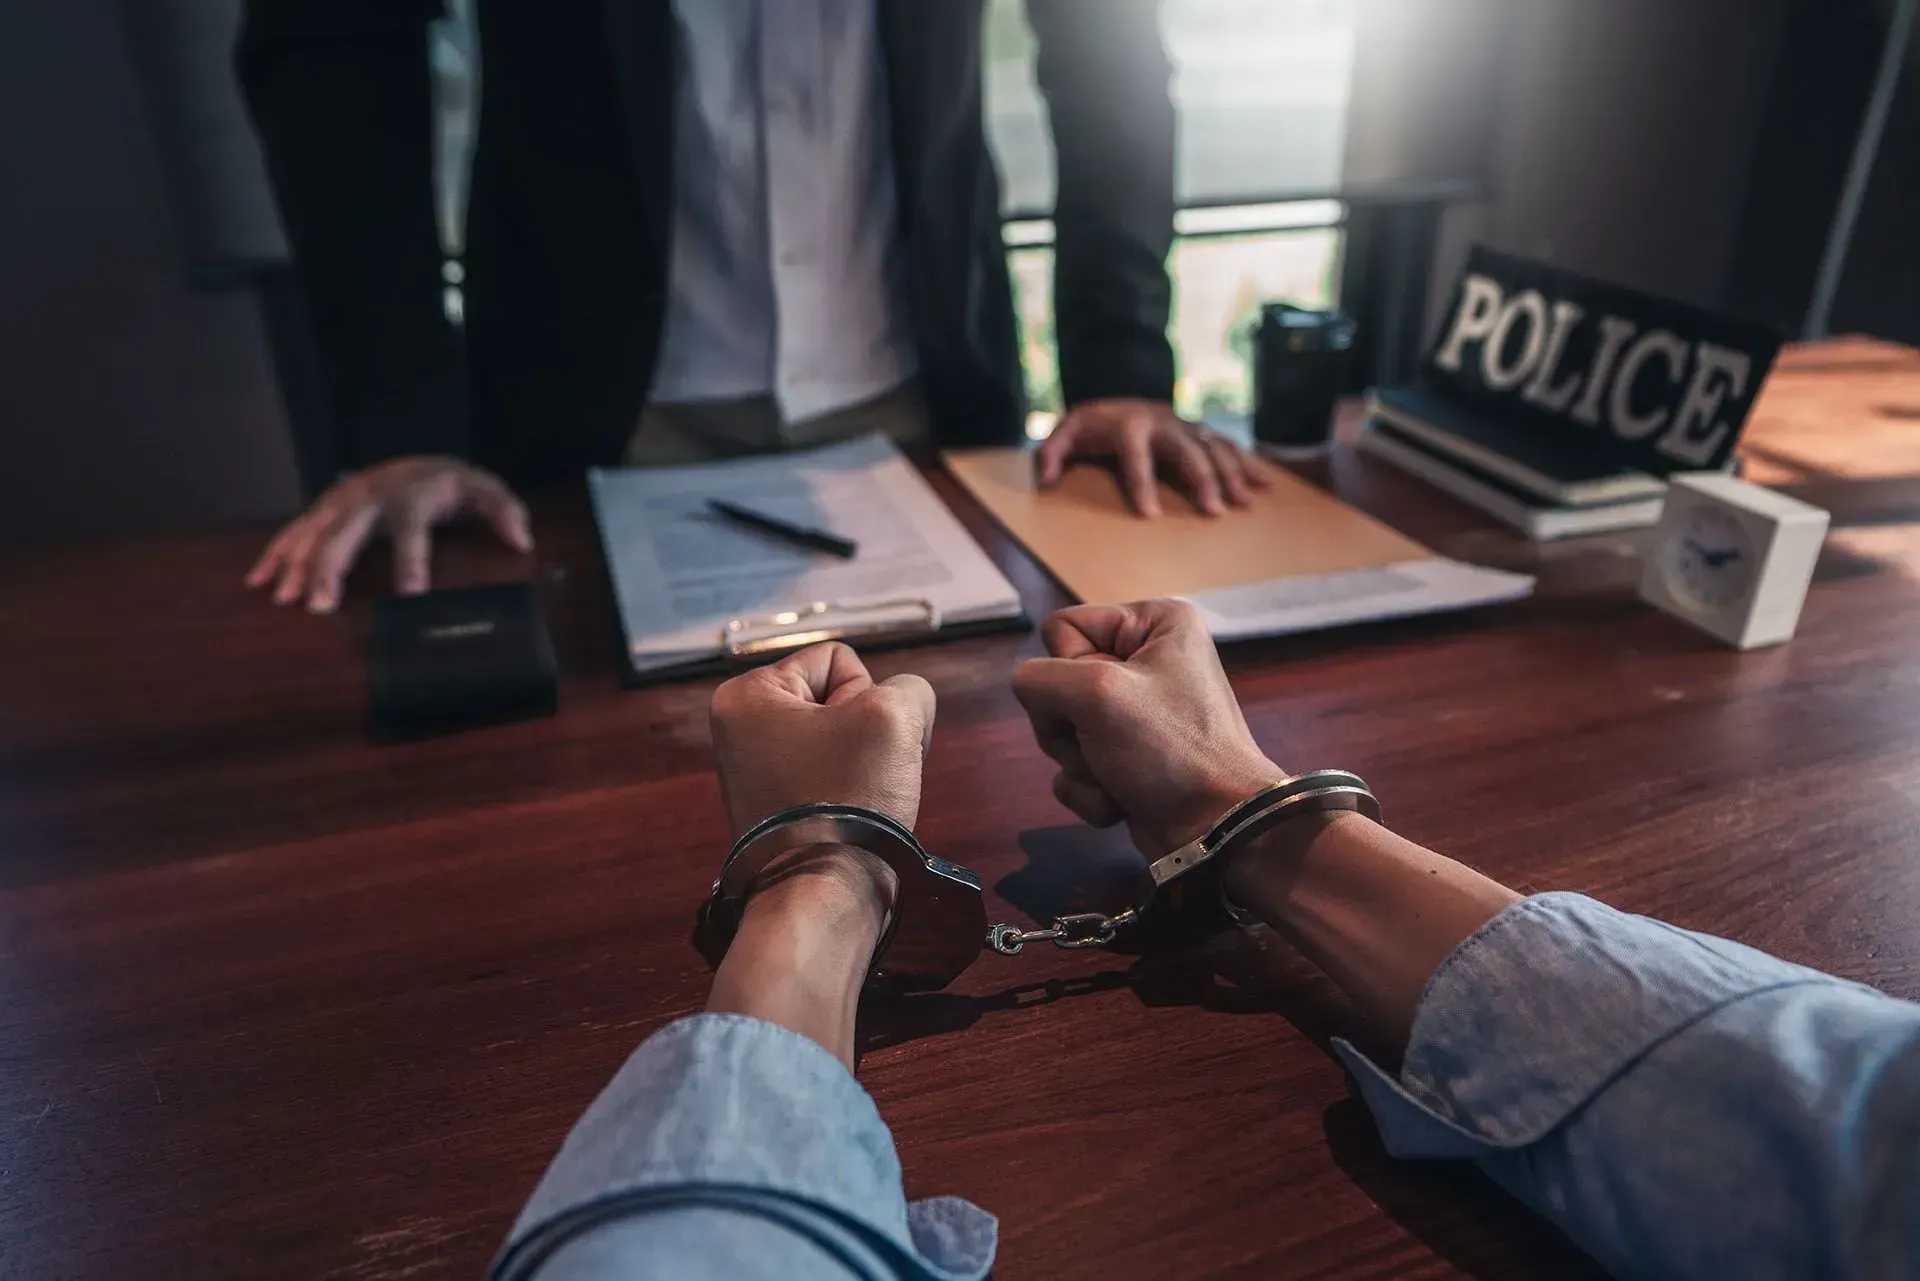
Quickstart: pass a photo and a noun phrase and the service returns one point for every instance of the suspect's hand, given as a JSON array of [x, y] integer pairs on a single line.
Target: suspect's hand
[[815, 728], [1136, 711], [1143, 435], [406, 497]]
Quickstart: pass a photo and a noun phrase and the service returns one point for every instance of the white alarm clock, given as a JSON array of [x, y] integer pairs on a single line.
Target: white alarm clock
[[1733, 559]]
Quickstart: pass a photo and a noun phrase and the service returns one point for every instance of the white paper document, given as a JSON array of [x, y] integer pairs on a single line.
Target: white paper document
[[690, 584], [1285, 605]]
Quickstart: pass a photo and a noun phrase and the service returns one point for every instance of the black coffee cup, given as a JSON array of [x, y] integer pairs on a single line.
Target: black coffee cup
[[1301, 359]]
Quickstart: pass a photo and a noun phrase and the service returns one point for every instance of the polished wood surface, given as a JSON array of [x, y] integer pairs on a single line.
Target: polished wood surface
[[277, 1002]]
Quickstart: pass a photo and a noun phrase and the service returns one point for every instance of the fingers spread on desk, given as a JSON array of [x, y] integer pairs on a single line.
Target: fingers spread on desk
[[1050, 460], [1137, 468], [497, 506], [335, 553], [412, 556], [295, 560], [1081, 429], [1194, 463], [1237, 476], [1142, 436], [272, 557]]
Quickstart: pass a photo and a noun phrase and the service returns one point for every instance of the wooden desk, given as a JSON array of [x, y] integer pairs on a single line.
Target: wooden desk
[[274, 1002]]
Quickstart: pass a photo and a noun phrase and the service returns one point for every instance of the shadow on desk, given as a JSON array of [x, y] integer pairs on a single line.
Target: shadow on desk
[[1228, 974], [1449, 1206], [1080, 869], [1458, 1213]]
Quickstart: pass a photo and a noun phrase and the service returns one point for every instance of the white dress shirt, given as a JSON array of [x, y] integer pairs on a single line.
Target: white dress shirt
[[785, 272]]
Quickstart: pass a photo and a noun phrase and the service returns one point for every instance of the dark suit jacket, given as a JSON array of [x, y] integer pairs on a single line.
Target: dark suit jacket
[[570, 211]]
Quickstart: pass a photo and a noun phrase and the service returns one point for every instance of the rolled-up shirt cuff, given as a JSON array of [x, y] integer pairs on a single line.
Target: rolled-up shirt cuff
[[737, 1113], [1539, 1011]]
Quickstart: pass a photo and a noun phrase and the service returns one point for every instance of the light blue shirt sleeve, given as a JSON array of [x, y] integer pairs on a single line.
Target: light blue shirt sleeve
[[728, 1149], [1681, 1106]]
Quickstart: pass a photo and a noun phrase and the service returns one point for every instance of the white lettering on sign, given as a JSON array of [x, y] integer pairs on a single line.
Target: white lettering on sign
[[1542, 391], [1479, 312], [1506, 377], [1718, 372], [1655, 342], [1614, 333], [1651, 385]]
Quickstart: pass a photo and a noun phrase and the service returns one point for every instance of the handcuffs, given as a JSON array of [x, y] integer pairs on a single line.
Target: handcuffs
[[939, 920]]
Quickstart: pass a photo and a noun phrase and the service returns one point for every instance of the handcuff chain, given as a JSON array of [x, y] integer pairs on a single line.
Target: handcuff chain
[[1318, 790], [1076, 930]]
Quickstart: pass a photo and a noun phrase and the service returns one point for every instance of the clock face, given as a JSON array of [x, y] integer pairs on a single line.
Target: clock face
[[1710, 559]]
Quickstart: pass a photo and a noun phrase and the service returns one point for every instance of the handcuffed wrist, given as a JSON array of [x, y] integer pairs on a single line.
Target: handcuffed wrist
[[938, 914], [1262, 872], [1191, 880], [828, 887]]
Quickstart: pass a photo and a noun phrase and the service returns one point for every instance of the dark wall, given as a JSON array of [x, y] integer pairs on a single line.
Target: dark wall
[[1829, 54], [1624, 140], [127, 401], [1879, 289]]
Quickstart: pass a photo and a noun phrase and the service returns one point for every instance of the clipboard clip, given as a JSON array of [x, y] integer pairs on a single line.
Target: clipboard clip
[[744, 639]]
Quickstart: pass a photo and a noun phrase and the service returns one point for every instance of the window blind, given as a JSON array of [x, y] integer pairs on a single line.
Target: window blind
[[1261, 88]]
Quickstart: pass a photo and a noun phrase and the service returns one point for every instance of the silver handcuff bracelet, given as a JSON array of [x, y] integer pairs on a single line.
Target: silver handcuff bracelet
[[939, 923]]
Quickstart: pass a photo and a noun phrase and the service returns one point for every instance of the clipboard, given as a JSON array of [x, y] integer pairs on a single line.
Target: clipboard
[[756, 641], [696, 595]]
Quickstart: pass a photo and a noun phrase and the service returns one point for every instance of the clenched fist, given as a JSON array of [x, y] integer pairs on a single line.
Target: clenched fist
[[1135, 709], [815, 728]]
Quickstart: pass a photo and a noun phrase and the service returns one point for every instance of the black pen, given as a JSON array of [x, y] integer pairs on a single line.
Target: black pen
[[818, 540]]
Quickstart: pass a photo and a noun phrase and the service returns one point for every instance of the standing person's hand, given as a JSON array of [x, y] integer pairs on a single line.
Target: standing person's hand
[[1144, 435], [405, 497], [814, 728], [1137, 712]]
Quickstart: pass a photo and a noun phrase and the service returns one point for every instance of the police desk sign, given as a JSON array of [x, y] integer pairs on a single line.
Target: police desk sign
[[1666, 386]]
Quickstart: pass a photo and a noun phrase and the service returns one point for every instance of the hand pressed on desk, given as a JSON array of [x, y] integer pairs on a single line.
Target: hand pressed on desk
[[403, 497], [1142, 436]]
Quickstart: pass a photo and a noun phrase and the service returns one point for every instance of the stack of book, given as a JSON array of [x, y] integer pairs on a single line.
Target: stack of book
[[1559, 403], [1547, 486]]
